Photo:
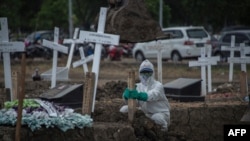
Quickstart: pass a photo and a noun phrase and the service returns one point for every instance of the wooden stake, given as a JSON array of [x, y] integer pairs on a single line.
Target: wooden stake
[[131, 102], [88, 93], [243, 84], [15, 82], [20, 98]]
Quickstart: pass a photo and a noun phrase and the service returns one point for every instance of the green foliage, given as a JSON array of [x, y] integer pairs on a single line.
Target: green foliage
[[30, 15], [26, 103], [154, 6], [9, 9], [52, 13]]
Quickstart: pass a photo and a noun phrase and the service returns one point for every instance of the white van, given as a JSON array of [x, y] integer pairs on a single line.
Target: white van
[[185, 43]]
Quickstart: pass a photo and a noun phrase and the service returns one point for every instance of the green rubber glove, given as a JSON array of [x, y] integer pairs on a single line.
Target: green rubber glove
[[139, 95], [126, 93]]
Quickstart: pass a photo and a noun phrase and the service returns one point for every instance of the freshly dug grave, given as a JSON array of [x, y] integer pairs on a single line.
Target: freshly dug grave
[[189, 121]]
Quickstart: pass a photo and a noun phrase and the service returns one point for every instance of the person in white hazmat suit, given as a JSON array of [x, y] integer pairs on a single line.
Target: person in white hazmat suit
[[150, 95]]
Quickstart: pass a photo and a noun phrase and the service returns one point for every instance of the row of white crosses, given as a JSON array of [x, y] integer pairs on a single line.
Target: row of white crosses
[[98, 38], [61, 73], [205, 62], [83, 60], [243, 60], [5, 48]]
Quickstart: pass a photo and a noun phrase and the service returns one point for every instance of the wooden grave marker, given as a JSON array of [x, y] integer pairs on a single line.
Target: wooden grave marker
[[99, 38], [131, 102], [6, 47], [61, 72], [88, 93]]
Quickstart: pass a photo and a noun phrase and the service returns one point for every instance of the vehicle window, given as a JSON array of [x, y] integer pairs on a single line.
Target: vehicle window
[[240, 38], [47, 36], [196, 33], [175, 33], [227, 38], [31, 36]]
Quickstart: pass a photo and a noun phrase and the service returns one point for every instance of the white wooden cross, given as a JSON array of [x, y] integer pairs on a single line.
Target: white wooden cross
[[243, 59], [203, 62], [159, 47], [6, 47], [209, 58], [55, 47], [99, 38], [232, 49], [73, 42], [84, 60]]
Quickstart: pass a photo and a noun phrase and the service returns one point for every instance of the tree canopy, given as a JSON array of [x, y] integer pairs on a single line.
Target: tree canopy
[[30, 15]]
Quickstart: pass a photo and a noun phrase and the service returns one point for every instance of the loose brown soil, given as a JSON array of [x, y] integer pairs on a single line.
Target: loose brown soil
[[113, 80]]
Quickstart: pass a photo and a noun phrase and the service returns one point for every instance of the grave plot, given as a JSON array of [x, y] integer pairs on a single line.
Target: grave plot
[[186, 89], [63, 92]]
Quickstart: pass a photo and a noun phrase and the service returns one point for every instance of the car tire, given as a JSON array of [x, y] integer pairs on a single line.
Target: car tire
[[139, 57], [176, 56]]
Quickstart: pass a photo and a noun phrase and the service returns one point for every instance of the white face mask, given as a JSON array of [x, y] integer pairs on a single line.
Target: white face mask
[[145, 78]]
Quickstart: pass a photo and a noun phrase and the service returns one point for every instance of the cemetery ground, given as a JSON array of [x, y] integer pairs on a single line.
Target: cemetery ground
[[190, 121]]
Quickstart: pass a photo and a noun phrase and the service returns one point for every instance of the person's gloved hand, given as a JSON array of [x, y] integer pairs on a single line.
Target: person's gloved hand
[[138, 95], [126, 94]]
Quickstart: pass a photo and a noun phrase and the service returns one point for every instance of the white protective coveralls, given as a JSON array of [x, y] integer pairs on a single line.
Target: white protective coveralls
[[156, 107]]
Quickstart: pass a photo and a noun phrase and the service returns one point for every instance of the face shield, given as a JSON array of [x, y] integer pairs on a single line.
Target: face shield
[[146, 72]]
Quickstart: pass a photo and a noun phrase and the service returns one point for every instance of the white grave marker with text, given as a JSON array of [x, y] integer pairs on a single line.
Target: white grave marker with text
[[6, 47], [203, 62], [99, 38], [209, 73]]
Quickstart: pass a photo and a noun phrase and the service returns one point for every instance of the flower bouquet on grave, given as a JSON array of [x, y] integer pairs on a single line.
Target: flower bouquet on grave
[[39, 113]]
